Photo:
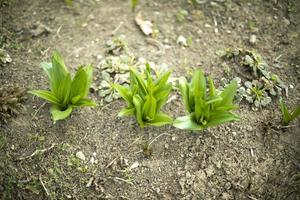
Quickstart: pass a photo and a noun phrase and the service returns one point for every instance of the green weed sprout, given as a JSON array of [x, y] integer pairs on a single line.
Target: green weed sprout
[[205, 110], [65, 93], [145, 98], [134, 4], [287, 116]]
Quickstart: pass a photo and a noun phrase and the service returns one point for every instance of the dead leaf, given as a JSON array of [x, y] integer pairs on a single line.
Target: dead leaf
[[145, 26], [134, 165]]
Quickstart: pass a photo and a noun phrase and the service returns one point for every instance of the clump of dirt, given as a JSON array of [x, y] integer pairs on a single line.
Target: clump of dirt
[[11, 99]]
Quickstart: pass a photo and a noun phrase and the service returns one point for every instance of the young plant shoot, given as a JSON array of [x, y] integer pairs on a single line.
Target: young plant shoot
[[145, 98], [287, 117], [65, 93], [205, 110]]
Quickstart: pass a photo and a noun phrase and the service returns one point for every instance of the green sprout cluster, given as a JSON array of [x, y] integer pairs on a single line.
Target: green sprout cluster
[[65, 93]]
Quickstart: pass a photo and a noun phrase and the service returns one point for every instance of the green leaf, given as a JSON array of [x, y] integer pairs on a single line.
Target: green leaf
[[58, 62], [285, 113], [212, 89], [63, 92], [124, 93], [78, 87], [138, 103], [295, 113], [127, 112], [221, 118], [47, 67], [58, 72], [228, 94], [74, 100], [184, 89], [134, 4], [58, 114], [84, 102], [226, 108], [139, 81], [163, 97], [148, 76], [160, 119], [214, 100], [89, 74], [47, 95], [187, 122], [199, 89], [149, 108], [163, 92], [161, 81]]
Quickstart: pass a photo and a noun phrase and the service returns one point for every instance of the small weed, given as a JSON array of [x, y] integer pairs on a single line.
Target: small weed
[[147, 150], [4, 57], [73, 161], [256, 94], [181, 15], [134, 4], [116, 45], [36, 137], [264, 84], [288, 116], [252, 25]]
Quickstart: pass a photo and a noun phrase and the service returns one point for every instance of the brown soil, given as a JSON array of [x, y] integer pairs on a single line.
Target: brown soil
[[249, 159]]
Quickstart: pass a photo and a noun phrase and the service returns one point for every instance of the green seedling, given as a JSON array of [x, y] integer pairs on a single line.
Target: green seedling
[[69, 2], [256, 62], [146, 97], [256, 93], [240, 92], [287, 116], [65, 93], [181, 15], [205, 110], [134, 4], [274, 85], [116, 45]]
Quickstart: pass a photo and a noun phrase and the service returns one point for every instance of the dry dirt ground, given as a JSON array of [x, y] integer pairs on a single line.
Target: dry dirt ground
[[249, 159]]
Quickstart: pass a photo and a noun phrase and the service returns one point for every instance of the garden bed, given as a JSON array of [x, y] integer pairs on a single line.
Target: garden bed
[[95, 154]]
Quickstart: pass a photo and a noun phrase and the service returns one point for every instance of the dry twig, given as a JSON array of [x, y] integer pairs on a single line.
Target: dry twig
[[40, 178], [38, 151]]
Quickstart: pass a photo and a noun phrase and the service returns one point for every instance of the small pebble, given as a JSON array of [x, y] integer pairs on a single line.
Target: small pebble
[[207, 26], [216, 31], [134, 165], [182, 41], [166, 146], [253, 39], [92, 160], [80, 155]]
